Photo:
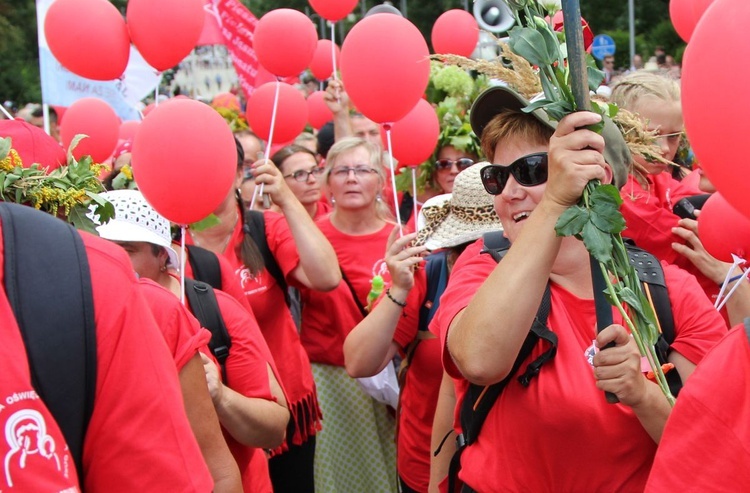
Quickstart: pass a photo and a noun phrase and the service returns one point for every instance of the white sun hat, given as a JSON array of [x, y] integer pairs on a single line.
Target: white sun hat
[[463, 216], [136, 220]]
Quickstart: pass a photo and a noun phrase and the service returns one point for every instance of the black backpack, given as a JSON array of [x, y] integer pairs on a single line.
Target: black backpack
[[479, 400], [45, 259]]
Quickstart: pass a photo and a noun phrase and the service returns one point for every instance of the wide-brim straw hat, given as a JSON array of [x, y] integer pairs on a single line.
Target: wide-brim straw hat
[[464, 217], [499, 98]]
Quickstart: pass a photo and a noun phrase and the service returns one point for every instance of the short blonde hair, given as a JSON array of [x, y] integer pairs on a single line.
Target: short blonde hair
[[628, 90]]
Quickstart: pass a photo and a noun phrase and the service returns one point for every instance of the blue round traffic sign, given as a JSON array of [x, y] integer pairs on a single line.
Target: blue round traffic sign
[[602, 46]]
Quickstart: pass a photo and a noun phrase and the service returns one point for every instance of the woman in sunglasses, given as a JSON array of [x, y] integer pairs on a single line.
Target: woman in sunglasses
[[559, 433], [303, 175], [355, 451]]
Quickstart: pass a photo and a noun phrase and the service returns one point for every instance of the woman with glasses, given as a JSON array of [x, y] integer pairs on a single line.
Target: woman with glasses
[[558, 433], [305, 258], [303, 175], [355, 451], [651, 193]]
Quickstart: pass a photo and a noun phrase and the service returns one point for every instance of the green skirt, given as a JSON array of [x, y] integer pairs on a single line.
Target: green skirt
[[356, 450]]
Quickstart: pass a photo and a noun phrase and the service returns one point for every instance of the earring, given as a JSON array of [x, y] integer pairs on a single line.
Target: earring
[[163, 268], [378, 198], [333, 201]]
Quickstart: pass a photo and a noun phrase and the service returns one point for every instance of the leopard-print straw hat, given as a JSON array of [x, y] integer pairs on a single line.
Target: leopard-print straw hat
[[466, 216]]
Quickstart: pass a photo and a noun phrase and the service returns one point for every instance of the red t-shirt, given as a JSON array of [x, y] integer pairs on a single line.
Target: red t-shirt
[[139, 438], [327, 318], [182, 332], [705, 443], [275, 320], [649, 219], [247, 374], [419, 394], [562, 423], [324, 208]]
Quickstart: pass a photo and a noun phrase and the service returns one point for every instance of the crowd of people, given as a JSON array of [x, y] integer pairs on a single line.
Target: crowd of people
[[305, 302]]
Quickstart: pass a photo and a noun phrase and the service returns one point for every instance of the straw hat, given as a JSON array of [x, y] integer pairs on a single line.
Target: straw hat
[[136, 220], [466, 216]]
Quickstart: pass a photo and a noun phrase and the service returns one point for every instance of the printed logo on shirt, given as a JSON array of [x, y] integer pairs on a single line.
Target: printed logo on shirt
[[250, 283], [380, 268], [32, 449]]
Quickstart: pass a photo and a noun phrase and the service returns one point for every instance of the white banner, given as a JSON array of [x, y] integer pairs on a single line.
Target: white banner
[[61, 87]]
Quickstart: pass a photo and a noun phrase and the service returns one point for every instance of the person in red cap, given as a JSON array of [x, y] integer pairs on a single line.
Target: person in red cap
[[33, 145]]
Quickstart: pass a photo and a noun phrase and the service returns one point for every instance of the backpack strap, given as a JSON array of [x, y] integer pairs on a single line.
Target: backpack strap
[[362, 309], [255, 227], [479, 400], [205, 307], [205, 265], [46, 263], [436, 271], [651, 275], [495, 244]]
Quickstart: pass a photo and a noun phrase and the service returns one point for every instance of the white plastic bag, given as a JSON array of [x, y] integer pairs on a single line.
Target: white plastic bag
[[383, 387]]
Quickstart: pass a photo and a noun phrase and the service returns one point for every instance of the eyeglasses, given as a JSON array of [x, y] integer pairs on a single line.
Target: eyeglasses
[[247, 174], [461, 163], [673, 138], [303, 175], [359, 171], [528, 171]]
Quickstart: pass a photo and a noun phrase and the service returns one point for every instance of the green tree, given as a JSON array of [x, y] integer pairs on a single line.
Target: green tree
[[19, 59]]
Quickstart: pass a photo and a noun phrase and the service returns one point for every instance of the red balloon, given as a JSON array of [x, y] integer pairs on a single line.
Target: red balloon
[[184, 160], [685, 15], [414, 137], [96, 50], [95, 118], [455, 32], [284, 41], [588, 34], [718, 126], [723, 230], [333, 10], [321, 65], [319, 113], [385, 66], [291, 112], [128, 130], [165, 31]]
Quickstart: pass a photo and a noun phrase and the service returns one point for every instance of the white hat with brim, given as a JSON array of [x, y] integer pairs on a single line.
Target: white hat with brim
[[136, 221], [468, 214]]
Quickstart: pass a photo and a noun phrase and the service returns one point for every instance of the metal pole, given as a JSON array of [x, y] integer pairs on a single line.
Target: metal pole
[[576, 54], [466, 5], [363, 8], [631, 20], [403, 9]]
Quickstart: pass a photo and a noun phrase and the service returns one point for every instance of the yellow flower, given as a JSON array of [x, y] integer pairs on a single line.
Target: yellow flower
[[127, 171], [11, 161]]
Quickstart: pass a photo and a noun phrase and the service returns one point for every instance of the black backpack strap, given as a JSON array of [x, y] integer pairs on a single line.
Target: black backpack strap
[[346, 280], [205, 265], [203, 304], [479, 400], [46, 263], [651, 275], [255, 227], [495, 244]]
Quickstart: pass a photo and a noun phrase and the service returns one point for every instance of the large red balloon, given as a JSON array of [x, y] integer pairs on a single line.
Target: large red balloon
[[165, 31], [291, 112], [284, 41], [333, 10], [723, 230], [685, 15], [718, 126], [184, 160], [95, 118], [319, 113], [414, 137], [97, 49], [455, 32], [385, 66], [321, 65]]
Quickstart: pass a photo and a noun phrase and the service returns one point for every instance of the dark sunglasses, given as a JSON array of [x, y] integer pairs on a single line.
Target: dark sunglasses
[[528, 171], [461, 163]]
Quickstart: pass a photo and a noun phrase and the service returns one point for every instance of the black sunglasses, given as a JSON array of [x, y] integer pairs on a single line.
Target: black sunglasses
[[528, 171], [461, 163]]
